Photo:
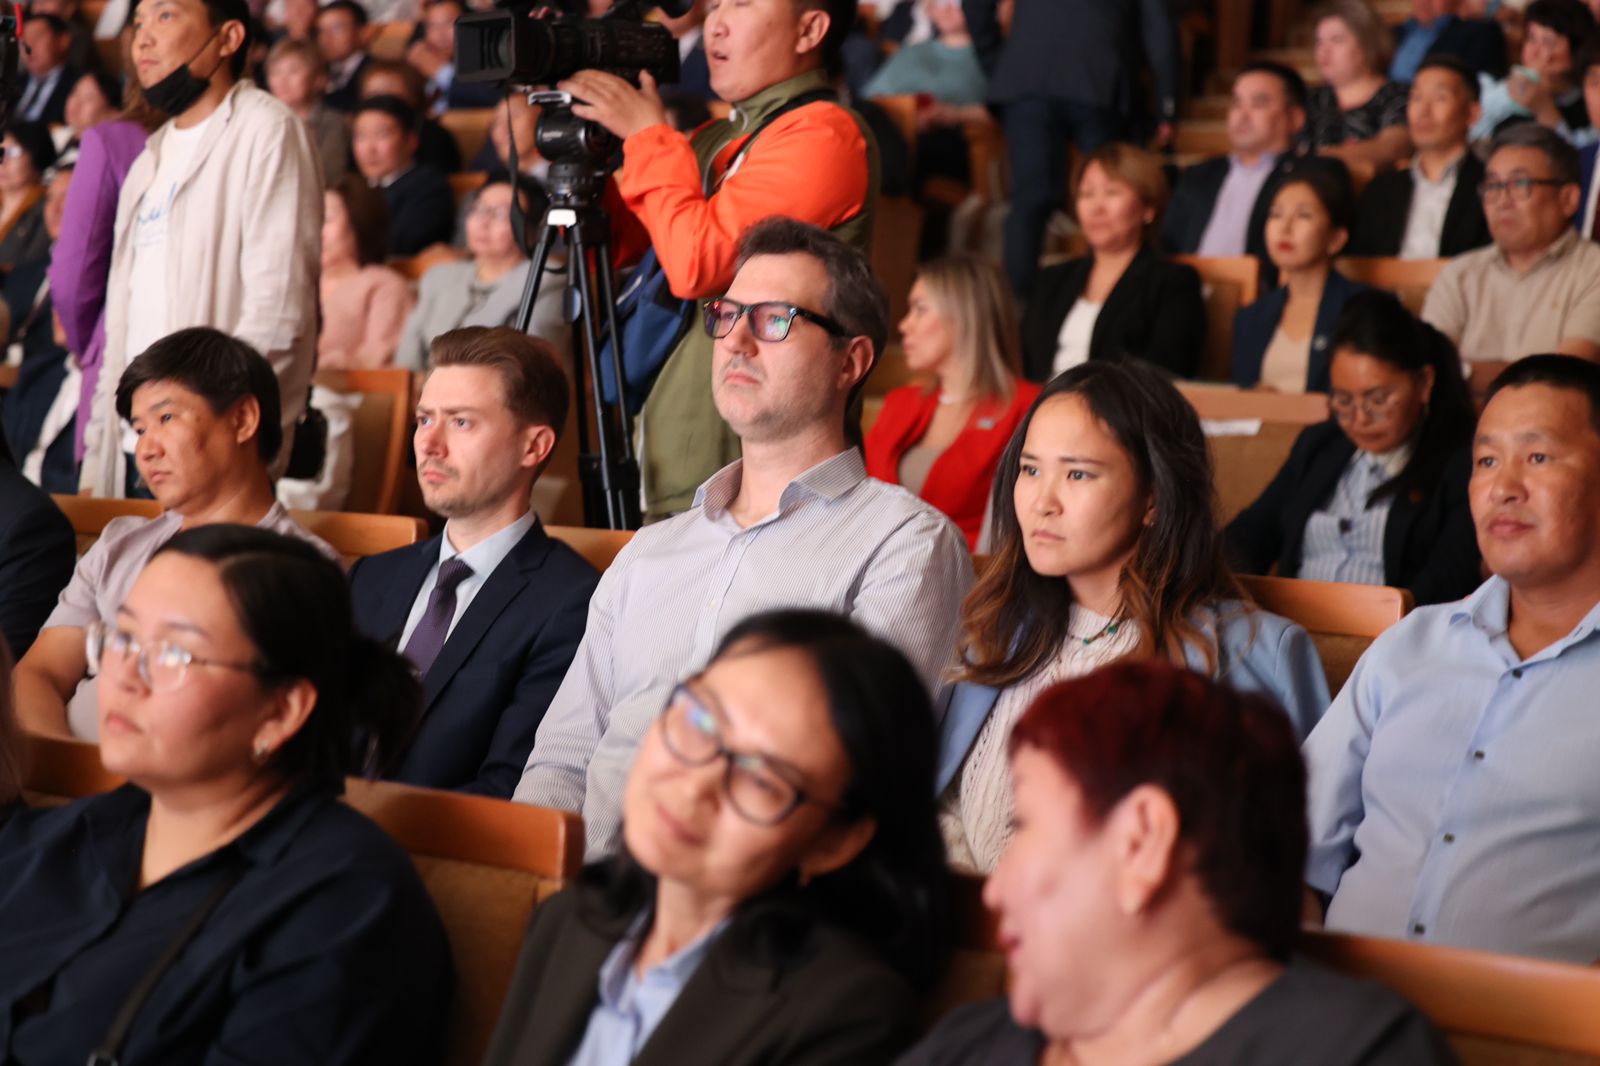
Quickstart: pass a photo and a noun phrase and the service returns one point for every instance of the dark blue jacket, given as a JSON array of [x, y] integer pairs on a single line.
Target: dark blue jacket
[[1254, 326], [37, 554], [486, 693]]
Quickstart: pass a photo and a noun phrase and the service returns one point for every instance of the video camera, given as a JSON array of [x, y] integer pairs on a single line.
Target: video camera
[[511, 47]]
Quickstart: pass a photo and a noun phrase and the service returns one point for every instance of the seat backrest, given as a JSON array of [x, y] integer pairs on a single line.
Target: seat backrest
[[487, 864], [1497, 1010], [977, 966], [1245, 463], [470, 127], [381, 429], [413, 267], [599, 546], [1201, 137], [355, 536], [1227, 283], [1409, 279], [1343, 619], [896, 233], [464, 185], [90, 515], [1224, 402], [388, 40], [57, 770]]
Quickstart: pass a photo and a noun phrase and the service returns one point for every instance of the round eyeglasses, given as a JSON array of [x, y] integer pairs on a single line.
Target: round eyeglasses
[[755, 788], [1374, 406], [163, 665], [770, 320]]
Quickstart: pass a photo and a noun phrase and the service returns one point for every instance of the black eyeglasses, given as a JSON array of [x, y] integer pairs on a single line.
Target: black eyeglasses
[[1520, 189], [770, 320], [754, 787]]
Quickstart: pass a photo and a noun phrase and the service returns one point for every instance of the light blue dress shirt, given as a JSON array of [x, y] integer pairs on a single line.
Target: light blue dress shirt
[[632, 1005], [1344, 540], [1455, 786], [483, 557]]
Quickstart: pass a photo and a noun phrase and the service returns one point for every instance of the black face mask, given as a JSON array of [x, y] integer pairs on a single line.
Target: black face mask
[[177, 92]]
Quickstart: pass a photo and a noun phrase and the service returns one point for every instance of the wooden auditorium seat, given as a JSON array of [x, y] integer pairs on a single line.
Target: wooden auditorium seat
[[470, 127], [1409, 279], [351, 535], [599, 546], [413, 267], [1255, 432], [1343, 619], [486, 864], [464, 185], [382, 431], [388, 40], [1227, 284]]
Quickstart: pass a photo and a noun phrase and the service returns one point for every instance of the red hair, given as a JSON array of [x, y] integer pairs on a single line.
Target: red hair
[[1228, 760]]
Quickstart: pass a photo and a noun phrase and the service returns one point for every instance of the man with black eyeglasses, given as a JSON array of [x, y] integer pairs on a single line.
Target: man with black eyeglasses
[[795, 523], [1537, 287]]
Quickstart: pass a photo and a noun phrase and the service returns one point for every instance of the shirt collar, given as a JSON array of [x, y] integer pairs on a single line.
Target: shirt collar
[[828, 480], [1267, 161], [486, 555], [1394, 460], [1449, 175], [1489, 609], [617, 973], [747, 114], [1556, 250]]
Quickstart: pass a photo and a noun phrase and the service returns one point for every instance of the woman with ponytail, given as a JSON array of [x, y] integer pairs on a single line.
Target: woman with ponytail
[[1376, 495], [224, 906], [1105, 548]]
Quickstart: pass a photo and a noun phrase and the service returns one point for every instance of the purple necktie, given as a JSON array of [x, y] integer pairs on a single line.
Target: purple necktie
[[428, 637]]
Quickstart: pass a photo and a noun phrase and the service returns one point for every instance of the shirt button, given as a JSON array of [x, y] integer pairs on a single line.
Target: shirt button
[[1449, 838], [1419, 929], [1478, 755], [1517, 673]]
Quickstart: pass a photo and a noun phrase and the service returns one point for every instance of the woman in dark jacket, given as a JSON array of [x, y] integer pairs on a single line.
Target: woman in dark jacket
[[781, 895], [1123, 299], [1378, 493]]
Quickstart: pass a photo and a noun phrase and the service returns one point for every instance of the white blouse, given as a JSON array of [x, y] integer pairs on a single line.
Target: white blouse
[[975, 810], [1072, 343]]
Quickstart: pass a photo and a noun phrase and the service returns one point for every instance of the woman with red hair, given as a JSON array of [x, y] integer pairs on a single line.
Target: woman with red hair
[[1150, 898]]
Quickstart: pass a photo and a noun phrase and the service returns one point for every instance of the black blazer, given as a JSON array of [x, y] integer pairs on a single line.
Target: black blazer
[[422, 210], [1155, 312], [840, 1005], [347, 97], [1194, 198], [486, 693], [1386, 206], [1254, 326], [37, 554], [1430, 545]]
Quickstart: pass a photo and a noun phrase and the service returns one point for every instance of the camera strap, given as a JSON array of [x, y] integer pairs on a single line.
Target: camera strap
[[711, 183]]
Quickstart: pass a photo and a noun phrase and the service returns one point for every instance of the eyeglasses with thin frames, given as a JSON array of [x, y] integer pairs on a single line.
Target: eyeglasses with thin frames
[[1376, 407], [163, 666], [1519, 189], [770, 320], [755, 789]]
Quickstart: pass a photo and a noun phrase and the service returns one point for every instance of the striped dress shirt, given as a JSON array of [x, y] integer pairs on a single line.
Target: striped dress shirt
[[1344, 540], [838, 541]]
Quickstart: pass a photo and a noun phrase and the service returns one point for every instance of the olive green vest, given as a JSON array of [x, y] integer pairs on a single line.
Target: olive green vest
[[684, 439]]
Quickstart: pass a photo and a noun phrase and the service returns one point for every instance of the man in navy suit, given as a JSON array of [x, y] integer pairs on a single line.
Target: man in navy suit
[[491, 612]]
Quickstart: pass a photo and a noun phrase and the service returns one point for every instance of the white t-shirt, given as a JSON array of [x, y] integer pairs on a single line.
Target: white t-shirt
[[1072, 343], [147, 305]]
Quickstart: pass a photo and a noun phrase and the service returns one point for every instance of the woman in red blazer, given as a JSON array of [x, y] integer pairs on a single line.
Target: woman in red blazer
[[942, 438]]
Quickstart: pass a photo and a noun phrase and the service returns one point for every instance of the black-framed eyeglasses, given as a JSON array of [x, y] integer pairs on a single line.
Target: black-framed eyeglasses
[[1377, 407], [1520, 189], [163, 665], [757, 791], [770, 320]]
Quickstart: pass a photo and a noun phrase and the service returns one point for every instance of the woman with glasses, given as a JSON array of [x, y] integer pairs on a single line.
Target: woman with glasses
[[1376, 495], [485, 290], [1104, 549], [781, 895], [1149, 902], [1280, 342], [364, 302], [224, 906], [942, 438], [25, 154]]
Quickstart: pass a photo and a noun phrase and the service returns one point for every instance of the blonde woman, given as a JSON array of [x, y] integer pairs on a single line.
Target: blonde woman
[[941, 439], [1123, 300]]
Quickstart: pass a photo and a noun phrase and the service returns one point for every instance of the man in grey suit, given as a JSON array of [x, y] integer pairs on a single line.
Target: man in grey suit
[[1067, 74]]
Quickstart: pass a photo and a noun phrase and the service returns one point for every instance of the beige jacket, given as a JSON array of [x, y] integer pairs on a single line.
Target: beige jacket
[[245, 240]]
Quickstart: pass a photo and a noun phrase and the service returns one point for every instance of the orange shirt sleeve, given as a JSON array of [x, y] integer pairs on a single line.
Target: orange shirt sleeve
[[811, 165]]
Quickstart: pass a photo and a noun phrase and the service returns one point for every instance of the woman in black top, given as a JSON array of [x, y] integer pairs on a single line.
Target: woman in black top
[[781, 896], [1123, 300], [1378, 493], [1359, 116], [232, 683], [1148, 915]]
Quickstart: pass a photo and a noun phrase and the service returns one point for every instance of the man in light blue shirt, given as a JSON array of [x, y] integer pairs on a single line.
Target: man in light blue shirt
[[1455, 781]]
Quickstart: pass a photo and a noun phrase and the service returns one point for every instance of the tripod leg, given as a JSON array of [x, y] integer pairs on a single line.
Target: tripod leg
[[600, 461], [607, 293]]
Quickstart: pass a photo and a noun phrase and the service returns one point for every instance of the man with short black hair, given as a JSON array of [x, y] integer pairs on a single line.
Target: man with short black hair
[[45, 40], [204, 410], [1436, 28], [1453, 795], [421, 207], [1537, 287], [795, 522], [490, 612], [1430, 210], [219, 222], [341, 29]]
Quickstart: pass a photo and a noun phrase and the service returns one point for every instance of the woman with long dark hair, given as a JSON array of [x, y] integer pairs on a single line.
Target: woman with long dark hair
[[781, 895], [1377, 494], [1105, 548], [224, 900]]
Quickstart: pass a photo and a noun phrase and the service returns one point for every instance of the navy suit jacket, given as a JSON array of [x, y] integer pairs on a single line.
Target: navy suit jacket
[[1254, 326], [486, 693], [37, 554]]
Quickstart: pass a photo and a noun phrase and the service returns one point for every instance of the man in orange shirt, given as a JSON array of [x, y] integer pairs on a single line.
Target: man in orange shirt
[[814, 162]]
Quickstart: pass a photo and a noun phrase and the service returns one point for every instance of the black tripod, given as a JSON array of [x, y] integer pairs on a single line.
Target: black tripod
[[608, 471]]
